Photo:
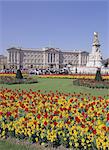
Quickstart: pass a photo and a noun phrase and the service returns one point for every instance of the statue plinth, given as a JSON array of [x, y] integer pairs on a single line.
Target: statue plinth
[[95, 57]]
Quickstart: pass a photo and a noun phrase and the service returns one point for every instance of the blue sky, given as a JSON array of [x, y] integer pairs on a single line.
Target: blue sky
[[67, 25]]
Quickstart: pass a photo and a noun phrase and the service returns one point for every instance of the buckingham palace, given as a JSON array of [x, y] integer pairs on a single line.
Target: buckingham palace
[[45, 58]]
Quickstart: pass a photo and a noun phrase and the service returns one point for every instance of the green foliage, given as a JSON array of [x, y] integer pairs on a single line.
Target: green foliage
[[61, 85], [92, 83], [4, 145], [13, 144], [19, 74], [12, 80], [98, 76]]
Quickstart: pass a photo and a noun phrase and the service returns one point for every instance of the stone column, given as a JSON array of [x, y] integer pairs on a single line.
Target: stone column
[[50, 58], [9, 57], [12, 60], [86, 59], [44, 59], [79, 61], [18, 60], [54, 57], [13, 57], [57, 60], [16, 57]]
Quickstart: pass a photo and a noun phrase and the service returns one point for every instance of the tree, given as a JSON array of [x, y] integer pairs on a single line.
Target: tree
[[19, 74], [98, 76]]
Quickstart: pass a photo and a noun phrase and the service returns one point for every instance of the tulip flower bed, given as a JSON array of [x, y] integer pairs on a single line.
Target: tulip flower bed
[[12, 74], [74, 76], [92, 83], [72, 120], [70, 76], [13, 80]]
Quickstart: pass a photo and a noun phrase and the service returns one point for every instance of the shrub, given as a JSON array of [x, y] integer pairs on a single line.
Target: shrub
[[19, 74], [91, 83], [98, 76], [13, 80]]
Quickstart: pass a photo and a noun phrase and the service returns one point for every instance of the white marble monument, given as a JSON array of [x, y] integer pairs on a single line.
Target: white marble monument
[[95, 57], [94, 60]]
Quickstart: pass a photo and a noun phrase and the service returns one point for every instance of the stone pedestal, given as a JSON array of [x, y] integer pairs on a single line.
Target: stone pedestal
[[95, 57]]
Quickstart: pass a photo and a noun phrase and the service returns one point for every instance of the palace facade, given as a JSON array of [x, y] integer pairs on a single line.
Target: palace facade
[[3, 62], [45, 58]]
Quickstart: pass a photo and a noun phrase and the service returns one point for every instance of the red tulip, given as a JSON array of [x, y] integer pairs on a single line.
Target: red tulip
[[68, 122], [55, 123], [35, 122], [1, 113], [45, 116], [90, 128], [77, 119], [94, 131], [8, 114], [61, 116], [104, 127], [51, 117], [45, 123], [92, 121], [83, 126], [26, 109], [108, 117], [38, 116], [16, 116]]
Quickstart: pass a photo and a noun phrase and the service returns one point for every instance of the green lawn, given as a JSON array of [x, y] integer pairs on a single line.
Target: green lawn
[[62, 85], [4, 145], [13, 144]]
